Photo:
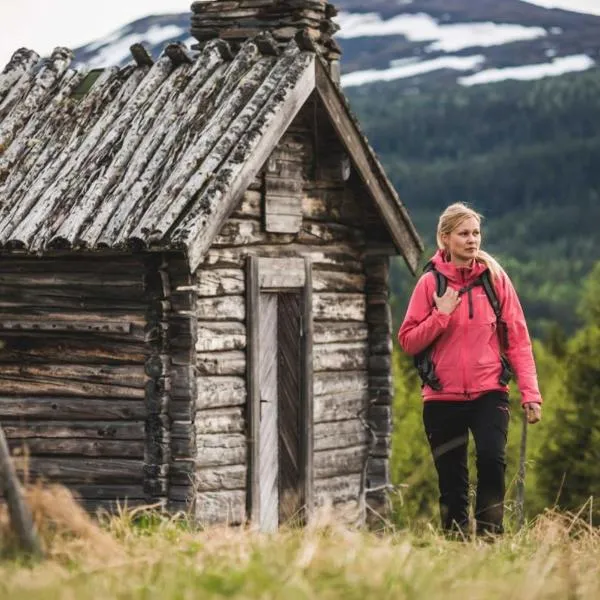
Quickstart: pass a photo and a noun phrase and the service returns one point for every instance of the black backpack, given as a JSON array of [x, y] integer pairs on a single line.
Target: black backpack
[[423, 362]]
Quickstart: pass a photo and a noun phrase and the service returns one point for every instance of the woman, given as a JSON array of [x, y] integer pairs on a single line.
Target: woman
[[459, 331]]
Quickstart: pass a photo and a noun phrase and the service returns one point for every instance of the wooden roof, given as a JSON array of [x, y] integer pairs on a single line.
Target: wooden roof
[[155, 155]]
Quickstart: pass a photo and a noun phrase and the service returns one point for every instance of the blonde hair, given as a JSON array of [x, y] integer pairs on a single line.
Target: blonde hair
[[450, 219]]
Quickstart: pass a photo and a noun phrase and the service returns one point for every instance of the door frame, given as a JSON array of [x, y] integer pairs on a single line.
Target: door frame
[[273, 275]]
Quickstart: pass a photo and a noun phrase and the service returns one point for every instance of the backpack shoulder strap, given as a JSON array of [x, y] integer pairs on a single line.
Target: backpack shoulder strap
[[490, 292], [441, 283]]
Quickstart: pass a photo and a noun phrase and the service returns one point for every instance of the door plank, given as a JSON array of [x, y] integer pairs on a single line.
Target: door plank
[[268, 446]]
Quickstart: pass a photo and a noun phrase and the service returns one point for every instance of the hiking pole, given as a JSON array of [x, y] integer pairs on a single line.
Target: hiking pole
[[20, 515], [521, 474]]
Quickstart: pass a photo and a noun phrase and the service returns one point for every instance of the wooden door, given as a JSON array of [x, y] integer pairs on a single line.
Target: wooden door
[[280, 391]]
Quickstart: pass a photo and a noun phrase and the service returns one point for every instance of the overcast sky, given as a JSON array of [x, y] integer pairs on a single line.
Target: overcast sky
[[43, 24]]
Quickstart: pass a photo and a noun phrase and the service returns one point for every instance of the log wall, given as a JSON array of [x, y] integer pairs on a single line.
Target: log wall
[[73, 372], [336, 231], [95, 378]]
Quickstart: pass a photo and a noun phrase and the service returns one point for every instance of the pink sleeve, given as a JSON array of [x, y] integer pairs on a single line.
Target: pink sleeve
[[519, 353], [423, 323]]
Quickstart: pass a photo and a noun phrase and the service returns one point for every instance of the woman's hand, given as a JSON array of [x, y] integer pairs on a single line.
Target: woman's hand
[[448, 302], [533, 411]]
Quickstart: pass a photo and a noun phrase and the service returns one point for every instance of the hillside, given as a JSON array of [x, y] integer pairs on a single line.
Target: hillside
[[525, 154]]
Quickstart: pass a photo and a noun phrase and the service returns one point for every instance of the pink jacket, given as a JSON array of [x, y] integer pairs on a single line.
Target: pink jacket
[[466, 352]]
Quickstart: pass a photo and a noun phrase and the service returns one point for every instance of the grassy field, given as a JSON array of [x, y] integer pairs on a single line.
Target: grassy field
[[555, 557]]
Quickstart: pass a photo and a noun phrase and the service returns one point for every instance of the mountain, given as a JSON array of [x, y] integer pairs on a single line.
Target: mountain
[[423, 43]]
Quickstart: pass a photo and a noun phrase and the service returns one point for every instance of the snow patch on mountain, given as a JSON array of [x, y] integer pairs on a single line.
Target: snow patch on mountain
[[114, 49], [588, 7], [402, 69], [559, 66], [421, 27]]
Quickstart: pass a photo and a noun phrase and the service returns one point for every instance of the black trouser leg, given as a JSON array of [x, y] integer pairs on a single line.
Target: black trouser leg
[[448, 436], [489, 425]]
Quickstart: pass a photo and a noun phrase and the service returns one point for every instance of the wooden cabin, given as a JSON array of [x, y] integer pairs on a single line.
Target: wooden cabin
[[194, 259]]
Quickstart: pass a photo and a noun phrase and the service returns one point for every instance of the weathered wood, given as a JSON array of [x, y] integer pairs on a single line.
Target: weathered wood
[[379, 472], [307, 392], [338, 489], [220, 336], [26, 348], [340, 406], [352, 356], [332, 205], [253, 378], [107, 430], [269, 460], [262, 133], [220, 392], [220, 282], [332, 463], [329, 332], [331, 383], [341, 257], [221, 478], [56, 408], [282, 224], [79, 447], [274, 273], [249, 206], [160, 144], [140, 114], [223, 507], [224, 308], [339, 307], [340, 434], [221, 363], [107, 492], [130, 376], [380, 363], [55, 386], [246, 232], [338, 281], [187, 178], [220, 450], [221, 420], [85, 470]]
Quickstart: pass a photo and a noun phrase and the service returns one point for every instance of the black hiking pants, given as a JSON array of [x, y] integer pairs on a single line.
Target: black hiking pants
[[447, 425]]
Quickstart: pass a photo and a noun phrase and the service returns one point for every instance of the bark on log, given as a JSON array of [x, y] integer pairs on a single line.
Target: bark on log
[[329, 332], [221, 478], [221, 450], [220, 420], [224, 507], [220, 336], [221, 363], [220, 392], [340, 407], [351, 356], [339, 307]]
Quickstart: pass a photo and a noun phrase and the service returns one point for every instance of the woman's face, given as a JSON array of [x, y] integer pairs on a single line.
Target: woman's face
[[464, 241]]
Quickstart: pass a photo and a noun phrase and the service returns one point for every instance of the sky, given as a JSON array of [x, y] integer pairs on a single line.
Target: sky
[[43, 24]]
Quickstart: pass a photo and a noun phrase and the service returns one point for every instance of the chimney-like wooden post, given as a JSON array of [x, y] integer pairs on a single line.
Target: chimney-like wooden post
[[237, 20]]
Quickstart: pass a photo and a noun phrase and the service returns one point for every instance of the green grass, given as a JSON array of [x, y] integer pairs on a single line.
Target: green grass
[[148, 557]]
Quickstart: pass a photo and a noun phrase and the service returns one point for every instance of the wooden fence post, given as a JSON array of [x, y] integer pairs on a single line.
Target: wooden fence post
[[20, 515]]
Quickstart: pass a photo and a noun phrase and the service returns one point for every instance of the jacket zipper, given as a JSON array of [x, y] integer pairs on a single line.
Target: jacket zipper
[[464, 342]]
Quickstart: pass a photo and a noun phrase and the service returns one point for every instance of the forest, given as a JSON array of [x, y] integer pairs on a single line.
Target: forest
[[526, 156]]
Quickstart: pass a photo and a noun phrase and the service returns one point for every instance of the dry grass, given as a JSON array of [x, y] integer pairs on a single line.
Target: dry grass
[[138, 555]]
